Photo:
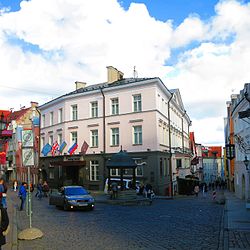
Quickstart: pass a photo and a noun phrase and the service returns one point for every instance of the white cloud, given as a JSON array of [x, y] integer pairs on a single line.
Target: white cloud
[[76, 40]]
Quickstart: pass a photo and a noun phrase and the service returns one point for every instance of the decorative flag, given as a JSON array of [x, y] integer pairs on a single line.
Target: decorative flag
[[54, 148], [62, 147], [84, 148], [46, 149], [73, 148]]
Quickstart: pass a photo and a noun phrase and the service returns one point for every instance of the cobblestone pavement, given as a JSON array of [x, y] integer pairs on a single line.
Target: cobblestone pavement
[[187, 223], [239, 239]]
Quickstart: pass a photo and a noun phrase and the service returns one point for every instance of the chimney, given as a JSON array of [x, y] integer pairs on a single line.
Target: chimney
[[34, 104], [80, 85], [114, 74]]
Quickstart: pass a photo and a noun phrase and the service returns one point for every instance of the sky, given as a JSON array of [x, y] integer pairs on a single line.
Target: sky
[[200, 47]]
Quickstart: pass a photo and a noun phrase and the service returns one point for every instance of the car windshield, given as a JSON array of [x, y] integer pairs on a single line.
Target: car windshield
[[75, 191]]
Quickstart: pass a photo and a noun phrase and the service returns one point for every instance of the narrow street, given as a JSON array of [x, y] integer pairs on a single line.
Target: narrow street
[[183, 223]]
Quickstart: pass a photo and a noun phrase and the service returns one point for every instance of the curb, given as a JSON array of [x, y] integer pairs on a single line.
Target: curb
[[14, 230]]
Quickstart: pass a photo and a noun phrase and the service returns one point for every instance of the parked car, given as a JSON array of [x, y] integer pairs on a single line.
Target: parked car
[[71, 197], [126, 184]]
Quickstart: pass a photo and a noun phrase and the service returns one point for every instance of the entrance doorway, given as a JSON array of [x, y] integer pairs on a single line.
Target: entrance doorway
[[72, 175]]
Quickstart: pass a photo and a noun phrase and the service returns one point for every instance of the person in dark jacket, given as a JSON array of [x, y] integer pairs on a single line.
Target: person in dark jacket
[[4, 222], [22, 194]]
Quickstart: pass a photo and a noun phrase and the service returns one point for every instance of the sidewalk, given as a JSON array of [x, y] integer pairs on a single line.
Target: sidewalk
[[236, 223]]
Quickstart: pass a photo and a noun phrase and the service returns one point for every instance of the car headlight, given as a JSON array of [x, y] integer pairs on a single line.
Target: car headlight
[[91, 199]]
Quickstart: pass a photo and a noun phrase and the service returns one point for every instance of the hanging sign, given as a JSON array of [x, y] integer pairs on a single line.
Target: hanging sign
[[27, 138], [28, 156]]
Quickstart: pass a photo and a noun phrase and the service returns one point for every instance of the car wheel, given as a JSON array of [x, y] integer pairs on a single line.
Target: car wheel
[[65, 207]]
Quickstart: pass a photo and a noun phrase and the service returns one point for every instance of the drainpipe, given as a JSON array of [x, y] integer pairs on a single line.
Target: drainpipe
[[182, 132], [104, 134], [170, 148]]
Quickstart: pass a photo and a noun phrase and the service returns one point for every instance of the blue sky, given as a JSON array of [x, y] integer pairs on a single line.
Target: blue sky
[[176, 10], [200, 47]]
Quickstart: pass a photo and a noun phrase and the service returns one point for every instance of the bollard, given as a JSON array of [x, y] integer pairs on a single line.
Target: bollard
[[214, 195]]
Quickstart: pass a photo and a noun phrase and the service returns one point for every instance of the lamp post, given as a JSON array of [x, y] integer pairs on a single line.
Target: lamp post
[[246, 162]]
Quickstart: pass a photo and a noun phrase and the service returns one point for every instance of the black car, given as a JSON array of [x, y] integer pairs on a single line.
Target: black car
[[70, 197]]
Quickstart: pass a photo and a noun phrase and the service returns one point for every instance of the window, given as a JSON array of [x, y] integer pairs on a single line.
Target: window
[[178, 163], [51, 118], [94, 109], [140, 165], [51, 173], [42, 143], [60, 116], [51, 140], [137, 103], [137, 135], [74, 113], [114, 136], [139, 170], [43, 121], [73, 136], [59, 139], [115, 106], [94, 138], [94, 171]]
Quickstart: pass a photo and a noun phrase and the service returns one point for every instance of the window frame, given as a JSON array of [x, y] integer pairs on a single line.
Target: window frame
[[94, 138], [74, 112], [94, 109], [73, 135], [114, 106], [94, 170], [115, 137], [137, 103], [137, 135]]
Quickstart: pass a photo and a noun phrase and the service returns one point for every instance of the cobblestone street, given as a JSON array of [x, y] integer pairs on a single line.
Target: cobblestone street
[[184, 223]]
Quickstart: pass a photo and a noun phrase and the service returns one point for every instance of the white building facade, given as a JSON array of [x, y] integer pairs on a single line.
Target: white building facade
[[138, 114], [240, 115]]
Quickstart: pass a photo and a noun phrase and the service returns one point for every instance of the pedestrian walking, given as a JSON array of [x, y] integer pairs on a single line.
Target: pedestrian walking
[[3, 191], [22, 194], [204, 190], [15, 185], [4, 222], [39, 192], [114, 188], [196, 190], [45, 189]]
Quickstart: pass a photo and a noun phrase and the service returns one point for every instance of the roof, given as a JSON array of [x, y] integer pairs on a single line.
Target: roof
[[17, 114], [105, 85], [121, 160]]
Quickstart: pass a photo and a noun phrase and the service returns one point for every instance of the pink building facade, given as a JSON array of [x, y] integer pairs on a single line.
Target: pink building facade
[[138, 114]]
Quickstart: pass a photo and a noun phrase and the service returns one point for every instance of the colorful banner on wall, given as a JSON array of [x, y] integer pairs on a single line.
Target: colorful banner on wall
[[84, 148], [54, 148], [73, 148], [46, 149], [62, 147]]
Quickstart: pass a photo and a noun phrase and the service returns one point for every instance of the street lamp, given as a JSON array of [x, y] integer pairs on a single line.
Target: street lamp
[[246, 162]]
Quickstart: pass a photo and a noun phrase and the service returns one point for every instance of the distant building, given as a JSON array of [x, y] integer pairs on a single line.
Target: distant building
[[212, 162]]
